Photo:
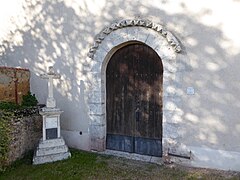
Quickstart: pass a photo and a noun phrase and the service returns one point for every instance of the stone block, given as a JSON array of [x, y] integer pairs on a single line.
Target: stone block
[[173, 80], [143, 34], [94, 80], [170, 106], [95, 66], [95, 97], [132, 33], [154, 42], [51, 158], [96, 108], [171, 89], [133, 156], [170, 130], [106, 45], [100, 54], [51, 143], [94, 84], [50, 151], [161, 45], [165, 52], [123, 33], [98, 130], [174, 117], [97, 119], [169, 76], [98, 144], [117, 37], [170, 67], [173, 105]]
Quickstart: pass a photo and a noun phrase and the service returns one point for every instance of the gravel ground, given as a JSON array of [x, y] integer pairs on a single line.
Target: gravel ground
[[141, 170]]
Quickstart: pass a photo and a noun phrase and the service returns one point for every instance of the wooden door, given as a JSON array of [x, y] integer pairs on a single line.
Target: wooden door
[[134, 100]]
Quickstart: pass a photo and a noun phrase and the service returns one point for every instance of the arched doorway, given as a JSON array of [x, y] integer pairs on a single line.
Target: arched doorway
[[134, 81], [175, 64]]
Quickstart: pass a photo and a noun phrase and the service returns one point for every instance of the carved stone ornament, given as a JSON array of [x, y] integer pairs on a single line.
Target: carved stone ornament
[[135, 22]]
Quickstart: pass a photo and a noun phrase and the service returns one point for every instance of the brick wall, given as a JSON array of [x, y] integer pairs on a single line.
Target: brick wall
[[14, 83]]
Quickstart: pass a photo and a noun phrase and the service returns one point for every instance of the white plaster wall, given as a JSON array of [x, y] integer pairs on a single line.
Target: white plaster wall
[[36, 34]]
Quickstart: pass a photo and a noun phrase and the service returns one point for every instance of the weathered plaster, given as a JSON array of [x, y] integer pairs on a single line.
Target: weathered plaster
[[37, 34]]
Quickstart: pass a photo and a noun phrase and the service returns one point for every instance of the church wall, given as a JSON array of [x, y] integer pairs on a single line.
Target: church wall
[[38, 34]]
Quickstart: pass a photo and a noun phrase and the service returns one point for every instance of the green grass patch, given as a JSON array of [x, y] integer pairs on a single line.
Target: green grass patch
[[81, 166], [86, 165]]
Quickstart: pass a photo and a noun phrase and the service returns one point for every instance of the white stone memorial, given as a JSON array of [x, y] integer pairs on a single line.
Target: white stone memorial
[[52, 146]]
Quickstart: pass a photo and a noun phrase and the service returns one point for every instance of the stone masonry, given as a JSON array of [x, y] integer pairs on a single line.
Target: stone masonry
[[168, 48], [25, 134]]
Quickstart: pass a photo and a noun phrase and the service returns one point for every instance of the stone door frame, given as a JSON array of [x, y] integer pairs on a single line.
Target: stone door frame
[[107, 42]]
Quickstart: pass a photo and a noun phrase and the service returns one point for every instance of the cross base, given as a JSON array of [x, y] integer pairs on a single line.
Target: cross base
[[51, 102], [50, 151]]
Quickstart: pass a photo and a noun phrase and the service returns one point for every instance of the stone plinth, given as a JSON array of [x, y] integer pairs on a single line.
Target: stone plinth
[[52, 146], [50, 151], [51, 123]]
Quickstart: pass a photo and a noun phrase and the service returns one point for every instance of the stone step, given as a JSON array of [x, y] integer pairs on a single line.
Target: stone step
[[51, 158], [51, 150], [51, 143]]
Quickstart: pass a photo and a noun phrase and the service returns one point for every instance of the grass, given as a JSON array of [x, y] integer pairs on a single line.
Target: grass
[[85, 165]]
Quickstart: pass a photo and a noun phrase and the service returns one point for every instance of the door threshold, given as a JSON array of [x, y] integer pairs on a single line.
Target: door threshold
[[133, 156]]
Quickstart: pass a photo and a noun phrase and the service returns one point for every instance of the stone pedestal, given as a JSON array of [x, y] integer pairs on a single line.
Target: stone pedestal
[[52, 146], [51, 150], [51, 123]]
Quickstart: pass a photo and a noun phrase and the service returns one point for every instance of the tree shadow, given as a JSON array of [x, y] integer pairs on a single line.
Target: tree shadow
[[60, 33]]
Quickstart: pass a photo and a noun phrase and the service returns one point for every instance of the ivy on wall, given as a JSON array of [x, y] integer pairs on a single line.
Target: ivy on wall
[[8, 112], [5, 129]]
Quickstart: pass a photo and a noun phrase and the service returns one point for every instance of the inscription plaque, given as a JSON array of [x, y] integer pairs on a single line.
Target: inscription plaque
[[51, 133], [51, 122]]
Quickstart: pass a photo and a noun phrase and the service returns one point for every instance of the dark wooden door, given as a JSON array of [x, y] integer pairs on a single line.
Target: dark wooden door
[[134, 100]]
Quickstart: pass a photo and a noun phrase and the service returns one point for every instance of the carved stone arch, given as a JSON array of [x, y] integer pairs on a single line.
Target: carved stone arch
[[165, 45], [135, 22]]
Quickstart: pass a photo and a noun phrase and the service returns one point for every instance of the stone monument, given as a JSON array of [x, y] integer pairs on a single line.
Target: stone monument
[[52, 146]]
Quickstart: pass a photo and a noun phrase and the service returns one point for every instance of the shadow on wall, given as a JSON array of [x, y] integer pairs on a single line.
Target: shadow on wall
[[59, 33]]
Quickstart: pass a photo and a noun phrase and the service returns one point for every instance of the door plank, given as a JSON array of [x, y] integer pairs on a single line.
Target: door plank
[[134, 100]]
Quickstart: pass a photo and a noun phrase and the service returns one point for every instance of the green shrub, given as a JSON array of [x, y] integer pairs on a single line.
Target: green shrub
[[8, 105], [29, 100]]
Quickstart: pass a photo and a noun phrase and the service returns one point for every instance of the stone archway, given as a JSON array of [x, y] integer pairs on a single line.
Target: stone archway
[[106, 44]]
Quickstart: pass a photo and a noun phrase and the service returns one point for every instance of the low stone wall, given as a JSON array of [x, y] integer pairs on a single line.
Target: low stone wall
[[25, 135], [14, 83]]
